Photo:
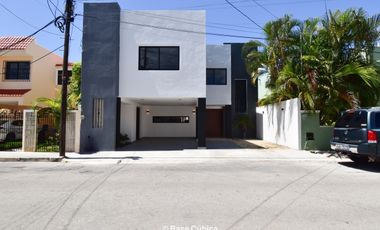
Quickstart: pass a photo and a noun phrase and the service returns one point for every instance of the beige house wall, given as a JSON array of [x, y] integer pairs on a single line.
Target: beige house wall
[[43, 74]]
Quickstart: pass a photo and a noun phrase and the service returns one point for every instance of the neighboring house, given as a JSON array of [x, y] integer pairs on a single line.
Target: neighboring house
[[376, 55], [25, 73], [262, 81], [150, 74]]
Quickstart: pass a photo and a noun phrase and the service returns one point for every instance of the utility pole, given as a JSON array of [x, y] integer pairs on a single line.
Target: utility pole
[[65, 76]]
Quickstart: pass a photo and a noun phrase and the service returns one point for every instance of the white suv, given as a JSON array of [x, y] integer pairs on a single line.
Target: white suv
[[10, 130]]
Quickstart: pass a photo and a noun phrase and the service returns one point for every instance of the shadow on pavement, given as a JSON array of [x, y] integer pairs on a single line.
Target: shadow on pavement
[[369, 167], [175, 144], [135, 158]]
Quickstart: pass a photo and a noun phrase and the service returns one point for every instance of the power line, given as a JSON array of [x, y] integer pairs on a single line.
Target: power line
[[24, 21], [42, 57], [178, 30], [29, 36], [183, 20], [215, 6], [241, 12], [46, 54], [262, 7], [57, 8]]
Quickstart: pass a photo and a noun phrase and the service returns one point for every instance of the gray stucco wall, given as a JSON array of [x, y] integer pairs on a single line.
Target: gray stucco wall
[[100, 73], [238, 71]]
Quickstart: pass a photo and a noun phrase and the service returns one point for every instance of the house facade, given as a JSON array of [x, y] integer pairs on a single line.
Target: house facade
[[151, 74], [26, 72]]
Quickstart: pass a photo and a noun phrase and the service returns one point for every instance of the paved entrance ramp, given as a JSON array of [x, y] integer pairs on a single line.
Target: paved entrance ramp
[[162, 144]]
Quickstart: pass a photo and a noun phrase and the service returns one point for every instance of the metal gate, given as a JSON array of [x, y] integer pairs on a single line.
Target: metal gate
[[47, 132], [11, 122]]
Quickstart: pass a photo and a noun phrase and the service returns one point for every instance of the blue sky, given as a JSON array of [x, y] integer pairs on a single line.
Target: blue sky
[[36, 13]]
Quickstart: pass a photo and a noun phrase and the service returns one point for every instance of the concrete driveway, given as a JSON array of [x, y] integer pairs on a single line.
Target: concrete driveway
[[161, 144]]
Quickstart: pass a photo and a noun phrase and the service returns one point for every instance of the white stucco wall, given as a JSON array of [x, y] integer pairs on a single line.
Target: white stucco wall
[[128, 120], [280, 123], [150, 129], [219, 56], [187, 82]]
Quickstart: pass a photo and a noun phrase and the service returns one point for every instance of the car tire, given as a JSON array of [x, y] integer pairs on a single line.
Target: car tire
[[359, 159], [10, 137]]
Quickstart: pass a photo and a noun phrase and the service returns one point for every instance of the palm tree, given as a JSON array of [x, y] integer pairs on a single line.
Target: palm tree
[[325, 62]]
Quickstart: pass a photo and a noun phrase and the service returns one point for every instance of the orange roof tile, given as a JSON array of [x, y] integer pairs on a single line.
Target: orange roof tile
[[15, 42], [13, 92]]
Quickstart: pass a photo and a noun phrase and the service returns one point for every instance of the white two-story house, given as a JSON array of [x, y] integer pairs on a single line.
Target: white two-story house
[[151, 74]]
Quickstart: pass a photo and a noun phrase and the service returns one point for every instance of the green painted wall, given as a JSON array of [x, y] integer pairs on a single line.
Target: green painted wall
[[321, 134]]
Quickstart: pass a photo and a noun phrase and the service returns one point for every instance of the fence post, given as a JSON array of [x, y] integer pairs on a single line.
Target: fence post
[[72, 131], [77, 129], [29, 131]]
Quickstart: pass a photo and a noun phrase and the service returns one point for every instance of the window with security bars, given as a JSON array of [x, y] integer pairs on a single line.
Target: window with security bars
[[17, 70], [98, 113]]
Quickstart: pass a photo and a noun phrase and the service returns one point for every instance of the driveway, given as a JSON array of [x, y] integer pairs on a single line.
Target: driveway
[[161, 144]]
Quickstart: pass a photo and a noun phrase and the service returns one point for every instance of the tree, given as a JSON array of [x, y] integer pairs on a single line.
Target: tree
[[325, 62], [53, 105]]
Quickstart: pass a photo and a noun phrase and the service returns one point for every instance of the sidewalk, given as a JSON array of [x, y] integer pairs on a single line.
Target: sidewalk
[[186, 154]]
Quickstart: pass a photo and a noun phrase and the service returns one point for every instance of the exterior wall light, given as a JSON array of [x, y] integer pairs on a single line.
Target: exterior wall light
[[194, 111], [147, 111]]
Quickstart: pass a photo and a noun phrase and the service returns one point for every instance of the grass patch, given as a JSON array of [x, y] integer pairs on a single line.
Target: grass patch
[[47, 147], [9, 145]]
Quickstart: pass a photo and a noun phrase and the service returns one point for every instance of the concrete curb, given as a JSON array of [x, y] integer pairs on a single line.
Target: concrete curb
[[31, 159]]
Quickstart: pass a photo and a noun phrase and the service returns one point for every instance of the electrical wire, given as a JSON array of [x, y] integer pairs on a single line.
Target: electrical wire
[[47, 54], [175, 29], [242, 13], [72, 23], [183, 20], [24, 21], [29, 36], [42, 57], [262, 7]]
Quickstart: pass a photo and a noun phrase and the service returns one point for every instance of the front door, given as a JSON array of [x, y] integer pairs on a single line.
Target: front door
[[214, 123]]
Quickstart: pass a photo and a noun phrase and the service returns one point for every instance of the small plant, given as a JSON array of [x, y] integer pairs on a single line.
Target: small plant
[[243, 122], [123, 140]]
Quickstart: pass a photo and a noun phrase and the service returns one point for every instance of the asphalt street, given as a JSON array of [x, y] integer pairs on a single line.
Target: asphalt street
[[182, 194]]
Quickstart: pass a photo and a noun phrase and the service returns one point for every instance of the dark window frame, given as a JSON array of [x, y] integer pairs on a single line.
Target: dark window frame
[[246, 96], [159, 58], [213, 69], [59, 78], [6, 74], [171, 119]]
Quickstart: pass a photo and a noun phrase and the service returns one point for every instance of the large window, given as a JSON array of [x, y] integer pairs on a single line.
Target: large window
[[17, 70], [158, 58], [171, 119], [241, 96], [59, 76], [216, 76]]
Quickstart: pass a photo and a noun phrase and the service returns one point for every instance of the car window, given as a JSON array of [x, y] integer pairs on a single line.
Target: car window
[[17, 123], [376, 120], [357, 119]]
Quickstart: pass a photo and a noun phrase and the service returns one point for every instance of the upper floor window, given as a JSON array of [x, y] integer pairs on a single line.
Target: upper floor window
[[17, 70], [216, 76], [158, 58], [59, 76]]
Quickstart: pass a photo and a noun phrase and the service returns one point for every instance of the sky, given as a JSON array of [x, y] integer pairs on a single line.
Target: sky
[[24, 17]]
